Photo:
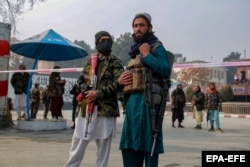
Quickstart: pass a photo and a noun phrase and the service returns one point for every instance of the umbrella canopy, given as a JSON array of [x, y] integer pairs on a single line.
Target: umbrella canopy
[[49, 46]]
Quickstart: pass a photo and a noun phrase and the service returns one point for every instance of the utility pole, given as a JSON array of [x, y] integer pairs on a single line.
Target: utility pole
[[245, 55]]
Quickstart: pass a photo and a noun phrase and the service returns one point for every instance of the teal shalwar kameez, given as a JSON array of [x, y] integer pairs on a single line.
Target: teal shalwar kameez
[[137, 135]]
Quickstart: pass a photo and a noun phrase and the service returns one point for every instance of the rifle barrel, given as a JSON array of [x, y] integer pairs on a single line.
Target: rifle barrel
[[153, 146]]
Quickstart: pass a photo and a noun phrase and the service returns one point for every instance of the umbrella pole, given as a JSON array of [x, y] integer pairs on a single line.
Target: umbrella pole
[[28, 91]]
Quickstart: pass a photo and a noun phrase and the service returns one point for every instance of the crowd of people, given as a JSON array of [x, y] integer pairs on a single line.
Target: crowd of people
[[95, 106], [51, 96]]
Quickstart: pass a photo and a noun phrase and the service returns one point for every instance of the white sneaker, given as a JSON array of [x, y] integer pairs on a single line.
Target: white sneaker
[[54, 119], [60, 118]]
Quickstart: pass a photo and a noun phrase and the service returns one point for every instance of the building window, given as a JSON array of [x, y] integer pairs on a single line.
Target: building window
[[211, 73]]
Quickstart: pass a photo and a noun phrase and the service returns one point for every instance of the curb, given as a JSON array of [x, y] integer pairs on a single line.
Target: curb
[[235, 116], [221, 115]]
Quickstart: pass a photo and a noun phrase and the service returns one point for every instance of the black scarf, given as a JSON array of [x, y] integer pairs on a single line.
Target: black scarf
[[196, 93], [134, 49]]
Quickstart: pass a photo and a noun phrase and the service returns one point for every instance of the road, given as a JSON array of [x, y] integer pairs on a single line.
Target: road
[[183, 146]]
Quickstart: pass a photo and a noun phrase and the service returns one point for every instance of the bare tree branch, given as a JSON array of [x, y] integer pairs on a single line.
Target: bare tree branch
[[11, 10]]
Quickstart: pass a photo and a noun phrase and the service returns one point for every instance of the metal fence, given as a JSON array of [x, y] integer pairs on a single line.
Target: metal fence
[[236, 108], [227, 108]]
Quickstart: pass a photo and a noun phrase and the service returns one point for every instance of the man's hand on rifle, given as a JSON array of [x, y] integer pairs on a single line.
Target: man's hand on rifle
[[91, 96]]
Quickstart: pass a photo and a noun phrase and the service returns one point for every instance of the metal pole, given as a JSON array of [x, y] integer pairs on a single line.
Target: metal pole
[[247, 76]]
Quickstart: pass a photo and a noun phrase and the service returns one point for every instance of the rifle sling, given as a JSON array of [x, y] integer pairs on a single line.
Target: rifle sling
[[151, 97]]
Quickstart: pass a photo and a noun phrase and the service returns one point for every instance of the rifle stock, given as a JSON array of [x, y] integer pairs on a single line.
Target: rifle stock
[[93, 82]]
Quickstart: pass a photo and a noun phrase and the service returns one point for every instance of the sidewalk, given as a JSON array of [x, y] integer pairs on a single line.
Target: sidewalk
[[183, 146]]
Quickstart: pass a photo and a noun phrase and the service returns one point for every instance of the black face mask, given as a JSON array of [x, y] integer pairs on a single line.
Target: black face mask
[[104, 47]]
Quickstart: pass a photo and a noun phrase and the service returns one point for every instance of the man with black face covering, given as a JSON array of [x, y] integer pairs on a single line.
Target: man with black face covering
[[102, 127], [178, 102], [137, 133]]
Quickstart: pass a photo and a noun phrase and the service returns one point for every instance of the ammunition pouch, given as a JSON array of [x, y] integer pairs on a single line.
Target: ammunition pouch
[[138, 83], [138, 71], [156, 92]]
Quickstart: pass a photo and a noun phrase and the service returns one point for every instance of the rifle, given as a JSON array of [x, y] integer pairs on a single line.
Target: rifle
[[158, 124], [93, 82], [160, 117]]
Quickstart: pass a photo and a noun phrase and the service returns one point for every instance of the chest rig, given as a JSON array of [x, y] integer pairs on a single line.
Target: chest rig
[[138, 72]]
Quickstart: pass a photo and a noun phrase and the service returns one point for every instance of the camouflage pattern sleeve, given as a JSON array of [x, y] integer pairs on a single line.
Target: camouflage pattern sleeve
[[108, 86]]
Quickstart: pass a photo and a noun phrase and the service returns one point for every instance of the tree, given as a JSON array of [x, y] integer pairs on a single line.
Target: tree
[[178, 58], [232, 56], [227, 93], [194, 76], [76, 63], [10, 10], [121, 47], [231, 70], [15, 59], [189, 93]]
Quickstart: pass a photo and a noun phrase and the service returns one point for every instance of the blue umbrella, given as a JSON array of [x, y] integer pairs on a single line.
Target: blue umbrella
[[49, 46]]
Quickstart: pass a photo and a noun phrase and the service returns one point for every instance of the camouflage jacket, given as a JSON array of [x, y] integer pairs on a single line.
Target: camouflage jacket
[[198, 100], [213, 101], [35, 95], [45, 96], [20, 82], [107, 73], [57, 89]]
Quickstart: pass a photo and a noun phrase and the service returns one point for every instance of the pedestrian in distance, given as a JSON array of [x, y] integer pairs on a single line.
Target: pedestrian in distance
[[46, 101], [149, 59], [213, 105], [34, 100], [74, 91], [99, 87], [197, 102], [56, 85], [19, 82], [178, 102]]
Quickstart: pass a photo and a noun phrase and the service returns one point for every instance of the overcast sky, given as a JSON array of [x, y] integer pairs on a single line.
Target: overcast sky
[[199, 29]]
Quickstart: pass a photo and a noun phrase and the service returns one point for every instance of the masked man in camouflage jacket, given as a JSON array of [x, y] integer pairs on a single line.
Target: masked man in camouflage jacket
[[19, 81], [103, 123]]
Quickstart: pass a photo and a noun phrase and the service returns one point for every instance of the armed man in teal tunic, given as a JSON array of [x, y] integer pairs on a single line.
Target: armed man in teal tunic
[[137, 134]]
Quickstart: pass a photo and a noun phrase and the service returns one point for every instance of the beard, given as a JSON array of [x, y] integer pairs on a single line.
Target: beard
[[142, 38]]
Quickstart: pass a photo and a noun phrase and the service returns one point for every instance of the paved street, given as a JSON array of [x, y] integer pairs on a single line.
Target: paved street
[[183, 146]]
